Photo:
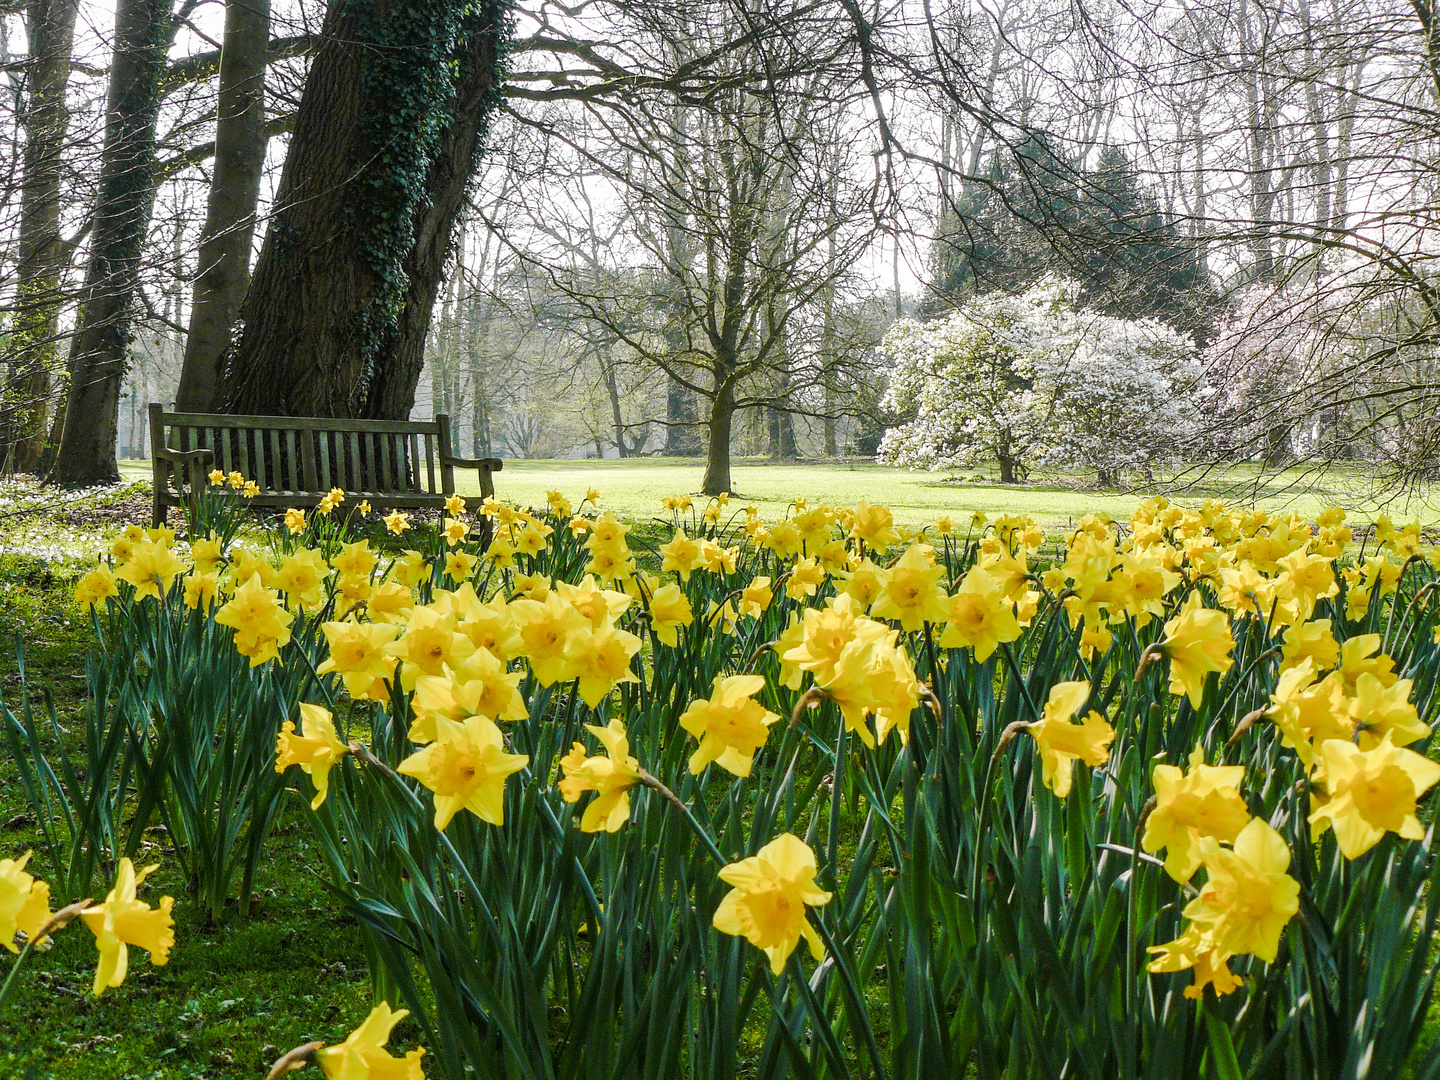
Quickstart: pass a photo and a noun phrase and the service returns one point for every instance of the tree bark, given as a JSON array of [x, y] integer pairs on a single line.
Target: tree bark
[[50, 28], [477, 95], [717, 458], [240, 142], [122, 216], [305, 349], [310, 280]]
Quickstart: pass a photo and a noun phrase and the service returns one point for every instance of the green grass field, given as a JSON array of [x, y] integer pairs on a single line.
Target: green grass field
[[634, 487]]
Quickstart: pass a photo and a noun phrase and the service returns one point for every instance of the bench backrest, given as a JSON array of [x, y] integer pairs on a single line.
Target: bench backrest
[[307, 456]]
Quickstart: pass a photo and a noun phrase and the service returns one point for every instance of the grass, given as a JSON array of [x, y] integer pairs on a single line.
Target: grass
[[233, 997], [634, 487]]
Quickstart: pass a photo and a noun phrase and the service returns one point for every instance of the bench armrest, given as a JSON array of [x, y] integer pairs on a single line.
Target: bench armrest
[[489, 464], [185, 457]]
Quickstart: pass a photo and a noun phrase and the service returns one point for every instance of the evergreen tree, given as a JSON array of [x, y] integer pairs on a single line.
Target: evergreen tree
[[1031, 214]]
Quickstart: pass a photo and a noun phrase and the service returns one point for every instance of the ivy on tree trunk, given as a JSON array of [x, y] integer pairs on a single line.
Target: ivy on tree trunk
[[395, 110]]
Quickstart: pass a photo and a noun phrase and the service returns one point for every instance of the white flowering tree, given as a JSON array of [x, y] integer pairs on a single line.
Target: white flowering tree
[[1026, 379], [969, 381], [1125, 395]]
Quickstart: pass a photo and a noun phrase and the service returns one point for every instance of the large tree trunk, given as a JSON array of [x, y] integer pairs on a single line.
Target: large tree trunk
[[50, 28], [477, 96], [717, 458], [318, 338], [240, 143], [122, 216]]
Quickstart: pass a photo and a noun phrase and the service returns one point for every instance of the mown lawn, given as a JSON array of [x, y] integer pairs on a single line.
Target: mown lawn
[[633, 488]]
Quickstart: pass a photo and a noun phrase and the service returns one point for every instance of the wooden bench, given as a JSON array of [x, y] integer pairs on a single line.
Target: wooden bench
[[296, 460]]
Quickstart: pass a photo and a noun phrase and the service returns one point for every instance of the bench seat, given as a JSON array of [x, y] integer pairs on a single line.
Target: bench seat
[[296, 460]]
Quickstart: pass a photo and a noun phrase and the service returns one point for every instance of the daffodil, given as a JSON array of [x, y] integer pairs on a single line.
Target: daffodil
[[396, 522], [301, 577], [680, 554], [979, 616], [96, 587], [314, 747], [1243, 907], [730, 724], [865, 582], [151, 568], [206, 554], [362, 1056], [1382, 711], [260, 622], [454, 530], [545, 631], [459, 565], [354, 560], [756, 597], [245, 564], [1062, 743], [358, 656], [599, 659], [201, 591], [805, 579], [1188, 807], [431, 642], [294, 521], [122, 921], [770, 894], [610, 775], [1309, 641], [598, 605], [1197, 641], [913, 594], [24, 903], [1372, 792], [1361, 655], [873, 526], [669, 610], [465, 767]]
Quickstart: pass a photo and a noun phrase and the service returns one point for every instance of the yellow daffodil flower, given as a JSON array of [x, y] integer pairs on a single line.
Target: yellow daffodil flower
[[151, 568], [96, 587], [24, 903], [358, 656], [362, 1056], [979, 616], [755, 598], [730, 725], [465, 767], [768, 899], [260, 622], [1372, 792], [122, 921], [1204, 802], [913, 594], [314, 746], [600, 659], [1062, 743], [610, 775], [1197, 641]]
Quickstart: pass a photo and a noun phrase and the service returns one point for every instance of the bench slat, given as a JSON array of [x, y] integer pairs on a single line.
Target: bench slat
[[296, 423], [322, 448], [356, 471]]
